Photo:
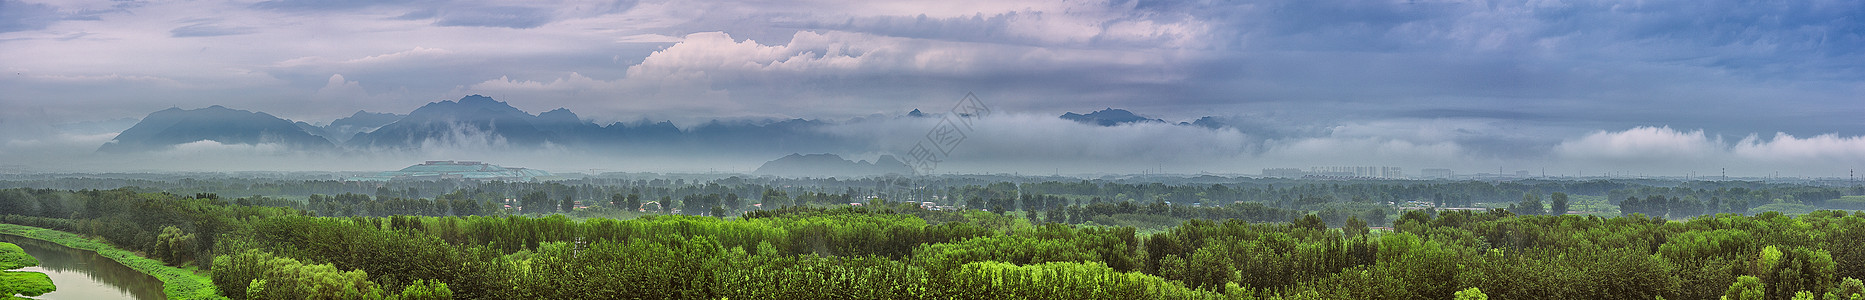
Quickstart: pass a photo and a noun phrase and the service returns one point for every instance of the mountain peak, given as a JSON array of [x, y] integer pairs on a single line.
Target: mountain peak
[[174, 126], [475, 113], [476, 99], [1108, 117], [559, 115], [826, 165]]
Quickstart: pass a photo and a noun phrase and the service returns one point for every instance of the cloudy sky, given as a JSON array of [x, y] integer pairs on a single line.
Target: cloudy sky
[[1664, 87]]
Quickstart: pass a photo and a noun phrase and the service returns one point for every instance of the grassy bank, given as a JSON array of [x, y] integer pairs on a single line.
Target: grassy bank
[[177, 284]]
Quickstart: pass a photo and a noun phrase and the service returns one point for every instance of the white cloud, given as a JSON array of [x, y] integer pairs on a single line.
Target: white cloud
[[1365, 151], [1665, 150], [339, 91], [1826, 149], [1643, 144]]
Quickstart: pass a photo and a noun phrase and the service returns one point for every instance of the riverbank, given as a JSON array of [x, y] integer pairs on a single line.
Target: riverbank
[[177, 284]]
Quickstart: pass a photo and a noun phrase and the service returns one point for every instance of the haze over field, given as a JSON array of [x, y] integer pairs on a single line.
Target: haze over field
[[1653, 87]]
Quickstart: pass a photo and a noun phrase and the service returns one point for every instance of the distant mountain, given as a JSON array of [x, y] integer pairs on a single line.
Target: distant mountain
[[164, 129], [831, 165], [478, 121], [472, 119], [1207, 122], [1108, 117], [343, 129]]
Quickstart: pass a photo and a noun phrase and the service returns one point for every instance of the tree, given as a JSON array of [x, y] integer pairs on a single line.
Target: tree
[[1310, 221], [568, 204], [731, 201], [1848, 289], [534, 202], [1745, 288], [1355, 226], [174, 246], [1471, 294], [1559, 205], [774, 199], [1530, 205], [425, 290]]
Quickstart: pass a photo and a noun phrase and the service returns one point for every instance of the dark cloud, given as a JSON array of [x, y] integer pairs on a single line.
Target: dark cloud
[[21, 16]]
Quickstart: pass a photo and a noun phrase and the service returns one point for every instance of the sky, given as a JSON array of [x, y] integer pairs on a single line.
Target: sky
[[1572, 87]]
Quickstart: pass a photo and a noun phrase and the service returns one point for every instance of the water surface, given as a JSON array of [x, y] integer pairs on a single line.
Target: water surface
[[84, 275]]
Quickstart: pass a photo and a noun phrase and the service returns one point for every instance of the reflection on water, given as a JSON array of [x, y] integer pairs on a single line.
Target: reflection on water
[[83, 274]]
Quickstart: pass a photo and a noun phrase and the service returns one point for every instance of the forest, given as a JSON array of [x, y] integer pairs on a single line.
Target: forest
[[971, 239]]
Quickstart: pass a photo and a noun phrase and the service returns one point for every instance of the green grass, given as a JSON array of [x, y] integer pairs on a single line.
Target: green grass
[[177, 283], [1791, 209]]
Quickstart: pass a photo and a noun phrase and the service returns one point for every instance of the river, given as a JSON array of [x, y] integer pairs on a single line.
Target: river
[[85, 275]]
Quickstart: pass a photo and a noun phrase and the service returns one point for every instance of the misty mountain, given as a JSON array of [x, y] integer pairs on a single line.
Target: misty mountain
[[483, 122], [164, 129], [831, 165], [479, 119], [343, 129], [472, 119], [1206, 122], [1108, 117]]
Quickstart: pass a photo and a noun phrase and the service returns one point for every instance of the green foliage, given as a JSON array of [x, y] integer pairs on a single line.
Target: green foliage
[[1063, 280], [174, 245], [1848, 289], [1745, 288], [24, 284], [424, 290], [1530, 205], [821, 249], [271, 277], [21, 283], [1847, 202], [1471, 294], [12, 257], [1785, 208], [177, 283], [1558, 205]]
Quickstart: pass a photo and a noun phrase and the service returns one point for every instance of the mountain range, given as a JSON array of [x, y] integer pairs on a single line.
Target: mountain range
[[482, 121], [1109, 117], [164, 129], [800, 165], [469, 121]]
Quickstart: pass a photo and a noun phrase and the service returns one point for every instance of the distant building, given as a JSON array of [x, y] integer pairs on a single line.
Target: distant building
[[1284, 172], [1337, 172], [456, 170]]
